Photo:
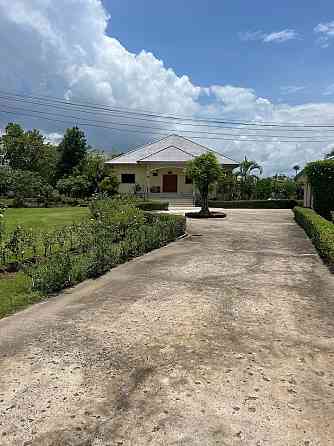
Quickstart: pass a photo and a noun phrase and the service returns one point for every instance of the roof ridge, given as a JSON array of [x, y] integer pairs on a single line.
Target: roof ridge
[[161, 150], [206, 148], [141, 146]]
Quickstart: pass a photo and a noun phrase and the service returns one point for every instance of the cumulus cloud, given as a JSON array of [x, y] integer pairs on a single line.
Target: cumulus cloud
[[276, 37], [325, 32], [60, 48]]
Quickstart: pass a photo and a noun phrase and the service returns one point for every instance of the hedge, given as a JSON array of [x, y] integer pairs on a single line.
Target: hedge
[[320, 231], [320, 174], [64, 269], [255, 204], [152, 205]]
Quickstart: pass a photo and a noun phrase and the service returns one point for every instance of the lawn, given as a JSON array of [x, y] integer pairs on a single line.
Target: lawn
[[15, 289], [43, 218]]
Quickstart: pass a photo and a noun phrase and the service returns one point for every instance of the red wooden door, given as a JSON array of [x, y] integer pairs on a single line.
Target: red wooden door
[[169, 183]]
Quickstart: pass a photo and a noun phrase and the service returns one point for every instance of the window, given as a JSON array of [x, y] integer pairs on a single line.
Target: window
[[128, 178], [155, 174], [189, 180]]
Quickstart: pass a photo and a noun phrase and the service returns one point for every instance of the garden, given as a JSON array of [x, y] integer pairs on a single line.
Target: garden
[[52, 249]]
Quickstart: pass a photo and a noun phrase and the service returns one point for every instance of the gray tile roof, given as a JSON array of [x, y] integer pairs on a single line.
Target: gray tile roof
[[171, 149]]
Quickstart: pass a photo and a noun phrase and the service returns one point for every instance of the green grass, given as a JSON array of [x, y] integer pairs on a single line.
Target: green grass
[[43, 218], [16, 293], [15, 289]]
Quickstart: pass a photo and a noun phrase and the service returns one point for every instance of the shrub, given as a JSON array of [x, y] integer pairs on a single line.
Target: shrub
[[152, 205], [320, 231], [116, 234], [255, 204], [321, 177]]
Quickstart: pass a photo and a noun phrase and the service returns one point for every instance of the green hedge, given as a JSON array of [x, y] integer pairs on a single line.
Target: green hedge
[[320, 231], [152, 205], [255, 204], [321, 177], [65, 269]]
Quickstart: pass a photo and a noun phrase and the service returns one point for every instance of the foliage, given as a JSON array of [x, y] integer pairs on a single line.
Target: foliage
[[109, 185], [72, 151], [27, 150], [205, 171], [247, 178], [148, 205], [255, 204], [264, 188], [283, 187], [320, 231], [118, 232], [27, 184], [93, 167], [76, 186], [321, 177]]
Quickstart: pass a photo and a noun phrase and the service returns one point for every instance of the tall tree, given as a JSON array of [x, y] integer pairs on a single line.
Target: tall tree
[[72, 151], [27, 150], [204, 170], [247, 177]]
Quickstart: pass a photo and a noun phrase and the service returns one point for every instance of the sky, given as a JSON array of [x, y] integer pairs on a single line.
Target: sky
[[244, 61]]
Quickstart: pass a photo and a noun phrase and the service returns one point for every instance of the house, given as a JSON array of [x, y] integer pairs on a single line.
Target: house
[[158, 169]]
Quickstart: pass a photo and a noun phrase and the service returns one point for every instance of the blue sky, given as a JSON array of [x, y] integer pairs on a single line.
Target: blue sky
[[248, 61], [202, 40]]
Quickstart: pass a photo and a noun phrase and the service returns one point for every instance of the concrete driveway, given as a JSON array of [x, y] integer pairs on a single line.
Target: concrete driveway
[[223, 338]]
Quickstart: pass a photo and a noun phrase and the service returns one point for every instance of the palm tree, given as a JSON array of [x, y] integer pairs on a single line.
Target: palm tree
[[247, 176], [296, 168]]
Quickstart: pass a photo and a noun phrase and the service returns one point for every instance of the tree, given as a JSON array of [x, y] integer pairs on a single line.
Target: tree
[[247, 178], [72, 151], [27, 184], [93, 167], [76, 186], [296, 168], [204, 170], [109, 185], [264, 188], [27, 150]]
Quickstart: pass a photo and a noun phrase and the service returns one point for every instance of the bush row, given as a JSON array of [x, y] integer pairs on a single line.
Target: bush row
[[256, 204], [65, 269], [320, 231], [153, 205]]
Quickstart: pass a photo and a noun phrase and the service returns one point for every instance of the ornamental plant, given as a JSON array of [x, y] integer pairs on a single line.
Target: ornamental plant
[[205, 171], [321, 177]]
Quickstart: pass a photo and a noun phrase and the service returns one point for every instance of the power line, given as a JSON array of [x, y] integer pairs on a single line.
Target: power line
[[154, 120], [304, 138], [147, 131], [173, 117]]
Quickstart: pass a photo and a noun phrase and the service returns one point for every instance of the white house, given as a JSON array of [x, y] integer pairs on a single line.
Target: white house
[[158, 169]]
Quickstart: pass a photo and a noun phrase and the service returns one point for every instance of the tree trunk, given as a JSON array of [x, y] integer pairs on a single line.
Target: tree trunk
[[205, 202]]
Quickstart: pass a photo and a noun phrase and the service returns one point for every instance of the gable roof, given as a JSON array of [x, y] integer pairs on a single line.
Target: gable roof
[[172, 148]]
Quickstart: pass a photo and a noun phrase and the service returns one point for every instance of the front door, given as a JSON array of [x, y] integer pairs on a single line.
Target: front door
[[169, 183]]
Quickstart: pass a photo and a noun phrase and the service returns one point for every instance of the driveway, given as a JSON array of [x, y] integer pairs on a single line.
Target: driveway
[[223, 338]]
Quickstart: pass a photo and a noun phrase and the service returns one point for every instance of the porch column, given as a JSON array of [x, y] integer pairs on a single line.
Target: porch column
[[148, 173]]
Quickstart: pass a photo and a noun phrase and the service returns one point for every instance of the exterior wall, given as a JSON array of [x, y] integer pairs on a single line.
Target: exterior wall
[[139, 171], [146, 180]]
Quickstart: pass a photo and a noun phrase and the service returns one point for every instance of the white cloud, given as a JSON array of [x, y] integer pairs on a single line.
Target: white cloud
[[291, 89], [329, 90], [325, 32], [60, 48], [276, 37]]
